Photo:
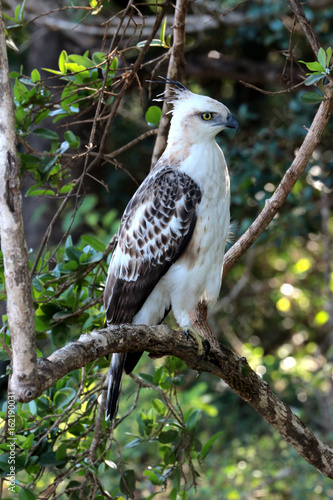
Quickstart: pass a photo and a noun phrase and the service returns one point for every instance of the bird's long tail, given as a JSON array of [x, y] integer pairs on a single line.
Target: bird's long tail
[[115, 377]]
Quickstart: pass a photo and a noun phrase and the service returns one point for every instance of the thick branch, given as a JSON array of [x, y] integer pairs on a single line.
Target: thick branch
[[273, 205], [220, 361], [175, 72], [20, 309]]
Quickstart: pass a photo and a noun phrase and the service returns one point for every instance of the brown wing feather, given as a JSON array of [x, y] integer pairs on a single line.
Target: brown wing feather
[[155, 229]]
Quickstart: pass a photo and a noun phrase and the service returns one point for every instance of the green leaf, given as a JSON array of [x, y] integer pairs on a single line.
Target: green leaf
[[48, 458], [328, 55], [62, 62], [82, 61], [129, 477], [312, 98], [114, 63], [95, 258], [162, 33], [4, 462], [154, 43], [35, 75], [153, 478], [322, 57], [61, 452], [168, 436], [20, 90], [133, 443], [25, 494], [73, 253], [30, 407], [76, 430], [147, 378], [68, 242], [153, 115], [80, 71], [93, 242], [72, 139], [41, 323], [21, 12], [173, 494], [99, 57], [63, 397], [192, 418], [314, 78], [72, 265], [38, 191], [45, 133], [101, 469], [28, 442], [16, 12], [66, 189], [313, 66], [208, 446], [159, 406], [54, 71], [46, 164]]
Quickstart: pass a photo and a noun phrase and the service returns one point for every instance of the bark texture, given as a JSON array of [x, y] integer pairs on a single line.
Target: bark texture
[[220, 361], [20, 309]]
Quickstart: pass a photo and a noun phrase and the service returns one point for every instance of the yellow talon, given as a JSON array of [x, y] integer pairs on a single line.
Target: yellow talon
[[203, 344]]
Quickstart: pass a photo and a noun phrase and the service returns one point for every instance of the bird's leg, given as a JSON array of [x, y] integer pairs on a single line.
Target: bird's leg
[[202, 343]]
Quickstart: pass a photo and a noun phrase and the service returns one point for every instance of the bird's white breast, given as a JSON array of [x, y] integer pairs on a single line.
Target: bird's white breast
[[198, 272]]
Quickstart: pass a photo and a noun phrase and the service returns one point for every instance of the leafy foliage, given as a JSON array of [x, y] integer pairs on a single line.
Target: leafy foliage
[[319, 71]]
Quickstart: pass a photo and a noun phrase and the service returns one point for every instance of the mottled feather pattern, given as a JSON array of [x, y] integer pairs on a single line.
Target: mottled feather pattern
[[172, 235], [156, 226], [154, 231]]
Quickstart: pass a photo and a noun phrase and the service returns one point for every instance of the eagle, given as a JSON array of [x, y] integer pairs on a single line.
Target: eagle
[[170, 246]]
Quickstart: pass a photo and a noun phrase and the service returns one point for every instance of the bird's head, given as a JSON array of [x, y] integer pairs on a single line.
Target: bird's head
[[196, 118]]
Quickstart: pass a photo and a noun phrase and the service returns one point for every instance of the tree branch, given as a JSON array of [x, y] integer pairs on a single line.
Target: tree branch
[[274, 204], [220, 361], [175, 72], [306, 26], [20, 309]]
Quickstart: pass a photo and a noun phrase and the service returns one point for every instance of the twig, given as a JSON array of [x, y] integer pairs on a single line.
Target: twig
[[267, 92]]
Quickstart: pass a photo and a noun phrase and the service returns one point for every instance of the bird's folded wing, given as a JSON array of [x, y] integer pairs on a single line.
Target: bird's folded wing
[[155, 229]]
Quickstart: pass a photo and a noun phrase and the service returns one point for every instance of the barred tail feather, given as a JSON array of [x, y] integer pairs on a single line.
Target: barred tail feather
[[114, 387]]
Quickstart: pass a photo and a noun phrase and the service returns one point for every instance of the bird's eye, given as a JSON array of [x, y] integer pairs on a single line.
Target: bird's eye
[[207, 116]]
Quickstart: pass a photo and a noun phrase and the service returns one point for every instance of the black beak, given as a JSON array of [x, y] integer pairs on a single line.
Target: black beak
[[232, 122]]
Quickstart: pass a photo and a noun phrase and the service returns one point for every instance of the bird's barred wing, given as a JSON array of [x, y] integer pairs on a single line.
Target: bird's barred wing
[[155, 229]]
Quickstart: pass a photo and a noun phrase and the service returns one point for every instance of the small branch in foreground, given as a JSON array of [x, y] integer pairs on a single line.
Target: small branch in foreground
[[220, 361]]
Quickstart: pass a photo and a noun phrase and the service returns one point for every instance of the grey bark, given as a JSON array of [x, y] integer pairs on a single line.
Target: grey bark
[[20, 309]]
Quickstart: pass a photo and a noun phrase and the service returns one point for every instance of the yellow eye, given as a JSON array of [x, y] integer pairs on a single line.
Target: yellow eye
[[207, 116]]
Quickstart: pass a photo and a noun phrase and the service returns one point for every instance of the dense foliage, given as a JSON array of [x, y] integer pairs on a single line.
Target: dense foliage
[[179, 435]]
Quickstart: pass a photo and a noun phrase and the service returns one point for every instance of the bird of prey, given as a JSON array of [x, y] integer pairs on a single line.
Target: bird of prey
[[172, 235]]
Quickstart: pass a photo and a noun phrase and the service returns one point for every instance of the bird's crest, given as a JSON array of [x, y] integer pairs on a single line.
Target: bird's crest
[[175, 91]]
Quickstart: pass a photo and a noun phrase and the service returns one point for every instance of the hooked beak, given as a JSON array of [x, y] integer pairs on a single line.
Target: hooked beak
[[232, 122]]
